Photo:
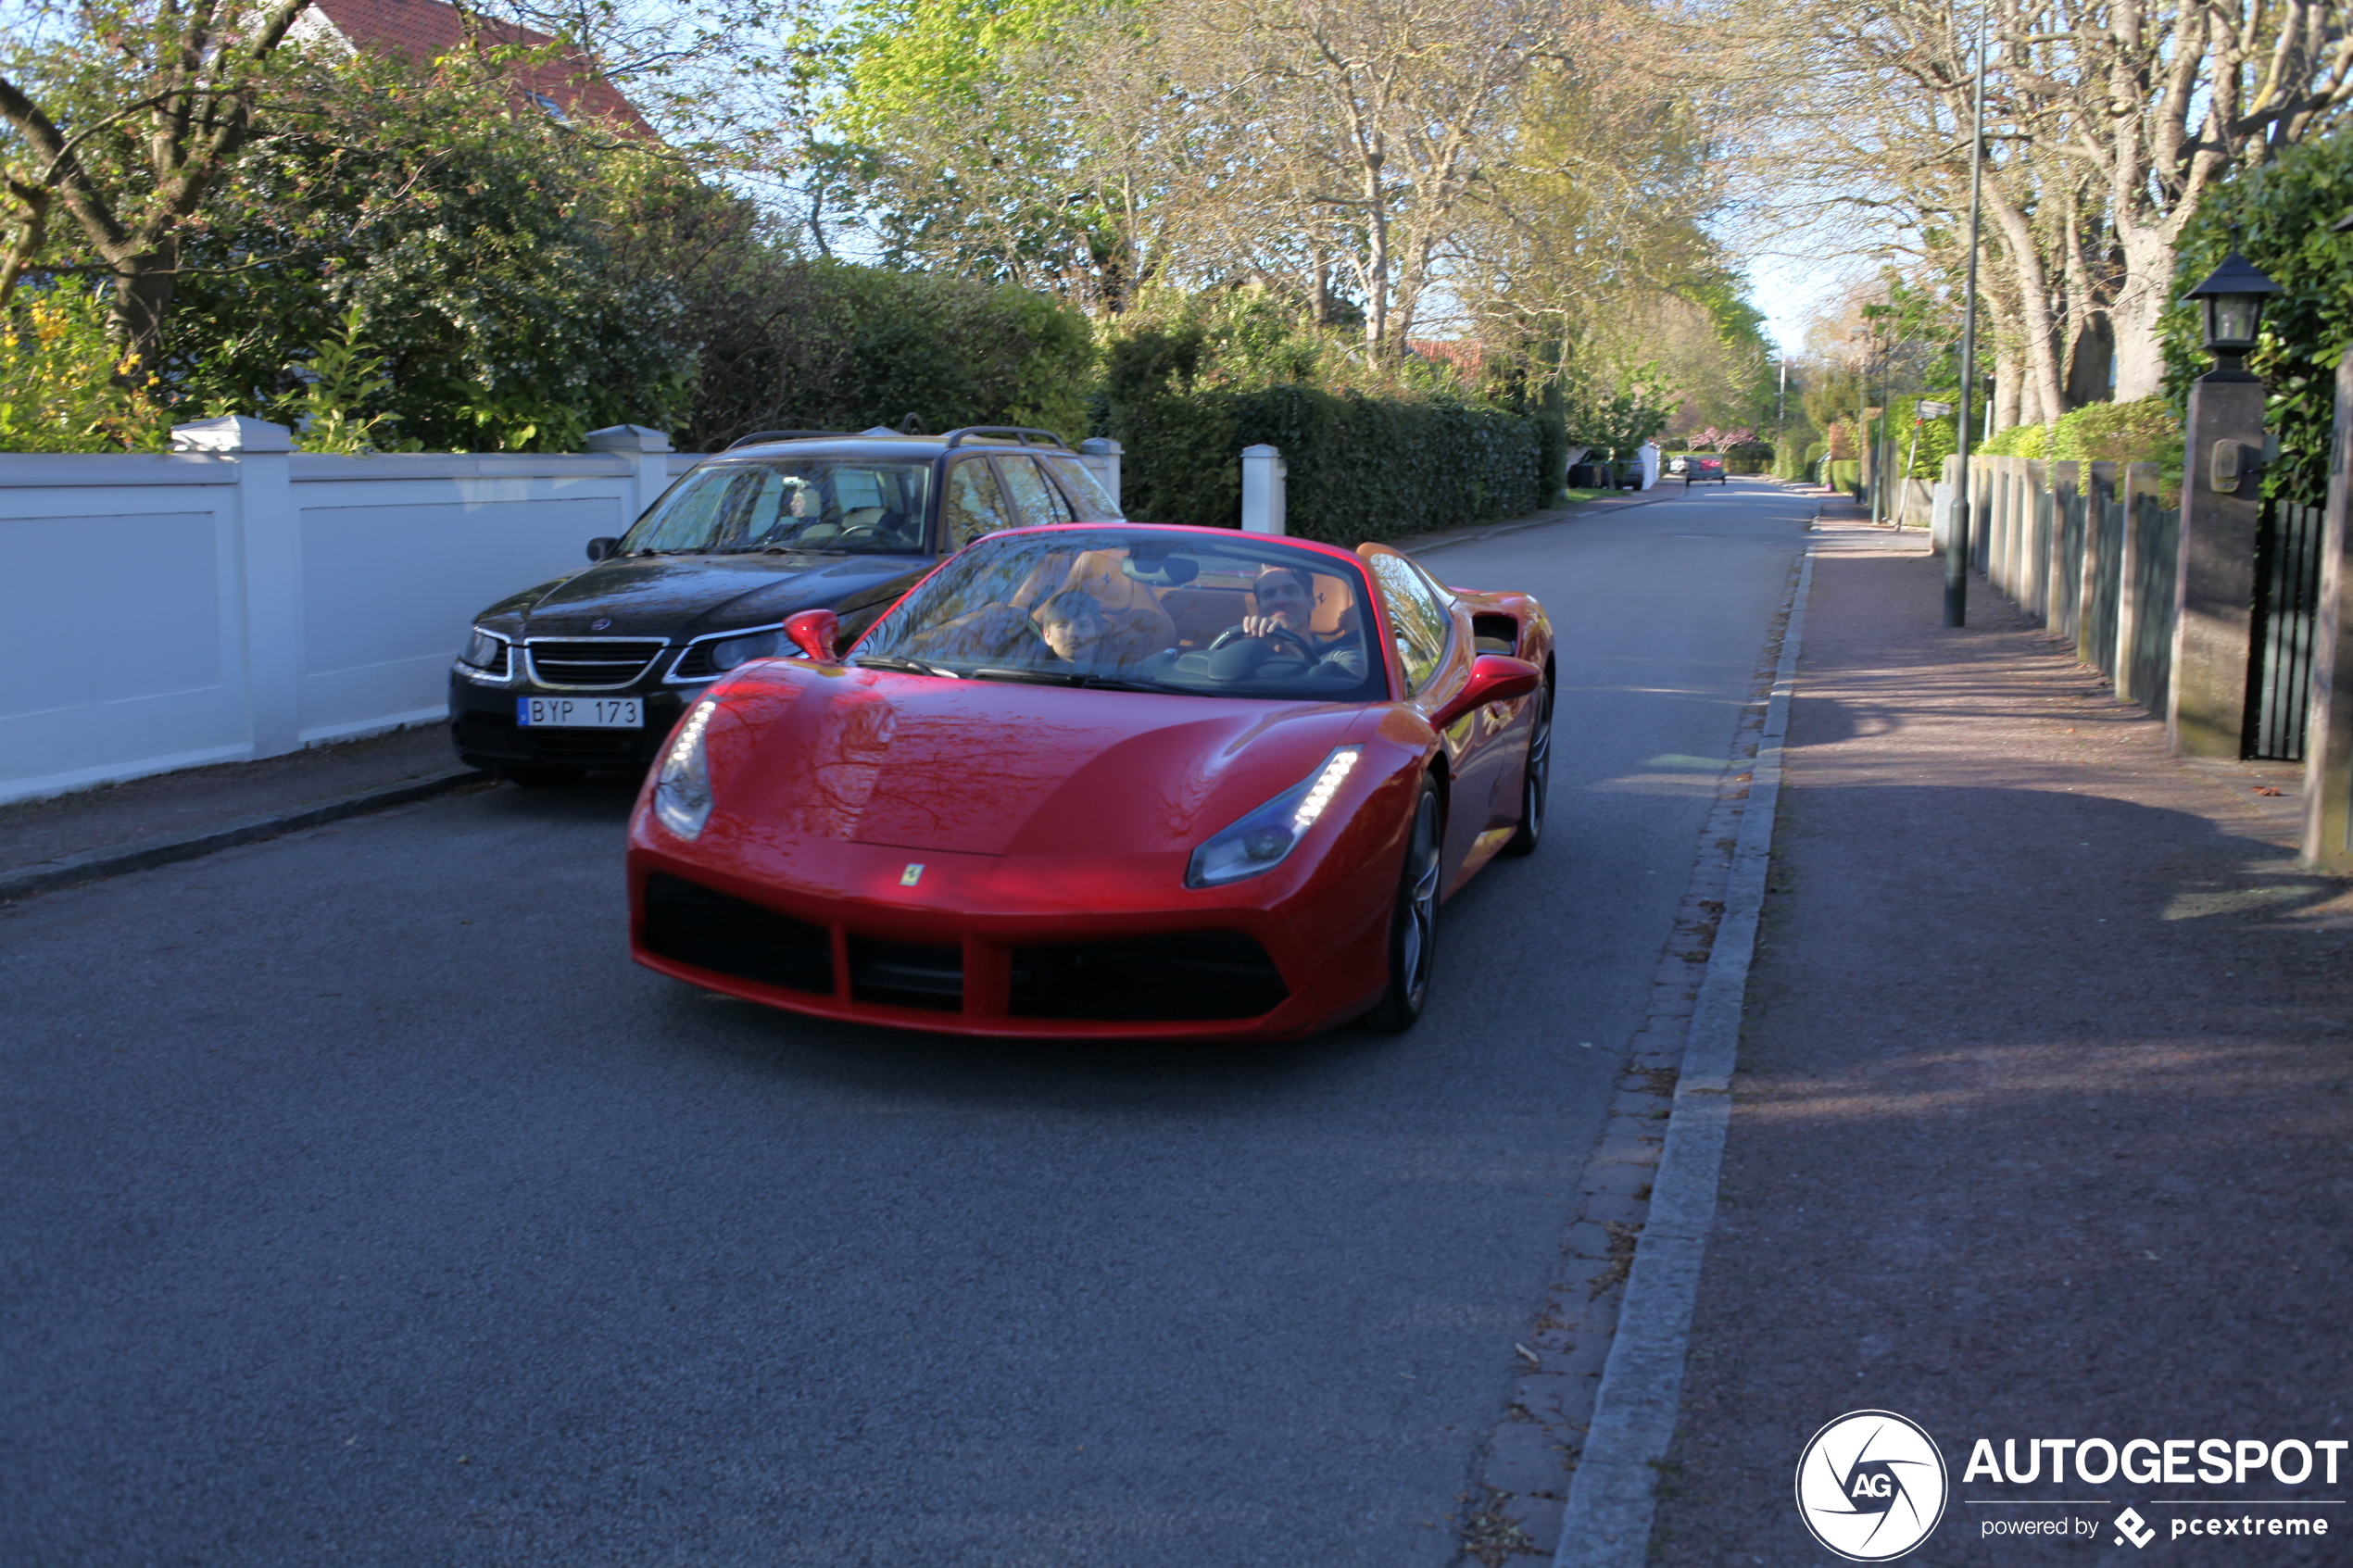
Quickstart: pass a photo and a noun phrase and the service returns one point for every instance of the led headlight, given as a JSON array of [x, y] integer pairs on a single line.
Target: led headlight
[[1261, 840], [682, 790], [743, 650], [485, 651]]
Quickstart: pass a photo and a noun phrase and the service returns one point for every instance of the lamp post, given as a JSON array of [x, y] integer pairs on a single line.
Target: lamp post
[[2232, 297], [1957, 536], [2222, 512]]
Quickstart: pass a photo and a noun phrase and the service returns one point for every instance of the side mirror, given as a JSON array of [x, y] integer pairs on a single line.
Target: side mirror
[[1494, 677], [602, 545], [812, 632]]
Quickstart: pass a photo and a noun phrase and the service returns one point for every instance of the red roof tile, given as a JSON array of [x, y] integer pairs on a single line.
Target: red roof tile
[[425, 30]]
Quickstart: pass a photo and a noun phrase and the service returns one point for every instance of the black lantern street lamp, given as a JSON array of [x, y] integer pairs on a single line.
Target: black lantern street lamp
[[2232, 299]]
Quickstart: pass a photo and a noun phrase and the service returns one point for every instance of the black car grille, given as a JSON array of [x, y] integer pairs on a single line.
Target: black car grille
[[692, 924], [592, 750], [590, 664], [906, 975], [497, 737], [694, 664], [490, 735], [1192, 976]]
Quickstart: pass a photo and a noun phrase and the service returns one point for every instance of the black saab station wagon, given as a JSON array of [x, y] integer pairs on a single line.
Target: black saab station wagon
[[591, 670]]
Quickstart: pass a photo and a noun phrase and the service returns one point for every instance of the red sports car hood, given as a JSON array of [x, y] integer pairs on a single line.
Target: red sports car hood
[[998, 768]]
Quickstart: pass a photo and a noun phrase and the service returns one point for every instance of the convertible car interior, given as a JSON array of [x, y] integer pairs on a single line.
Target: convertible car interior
[[1175, 619]]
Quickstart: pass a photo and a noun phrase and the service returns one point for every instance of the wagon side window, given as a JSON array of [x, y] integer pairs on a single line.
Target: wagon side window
[[975, 506], [1036, 502]]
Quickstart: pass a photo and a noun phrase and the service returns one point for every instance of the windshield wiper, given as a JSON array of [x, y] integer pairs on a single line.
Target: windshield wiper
[[1118, 683], [1029, 677], [896, 661]]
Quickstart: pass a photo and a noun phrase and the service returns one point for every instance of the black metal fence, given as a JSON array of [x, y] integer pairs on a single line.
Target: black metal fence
[[2287, 599], [2091, 551]]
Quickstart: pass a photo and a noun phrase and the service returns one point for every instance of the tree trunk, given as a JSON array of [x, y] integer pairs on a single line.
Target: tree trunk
[[2006, 385], [2037, 325], [1375, 261], [2088, 365], [142, 286], [2139, 308]]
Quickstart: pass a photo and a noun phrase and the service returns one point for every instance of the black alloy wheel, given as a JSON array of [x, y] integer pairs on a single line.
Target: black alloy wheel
[[1533, 778], [1413, 926]]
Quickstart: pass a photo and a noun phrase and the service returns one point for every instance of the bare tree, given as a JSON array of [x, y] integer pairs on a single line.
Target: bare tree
[[187, 80], [1365, 125], [2108, 122]]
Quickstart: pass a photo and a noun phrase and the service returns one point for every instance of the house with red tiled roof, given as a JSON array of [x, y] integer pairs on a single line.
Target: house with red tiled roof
[[425, 30], [1464, 358]]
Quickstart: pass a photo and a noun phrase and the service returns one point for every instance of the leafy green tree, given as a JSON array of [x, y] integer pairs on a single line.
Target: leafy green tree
[[1003, 141], [1617, 416], [2282, 218], [124, 127]]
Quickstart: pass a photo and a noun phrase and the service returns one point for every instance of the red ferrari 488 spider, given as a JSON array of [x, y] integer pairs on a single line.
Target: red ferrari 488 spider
[[1103, 779]]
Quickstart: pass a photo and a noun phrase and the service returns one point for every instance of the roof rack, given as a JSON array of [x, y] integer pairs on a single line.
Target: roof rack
[[955, 437], [756, 437]]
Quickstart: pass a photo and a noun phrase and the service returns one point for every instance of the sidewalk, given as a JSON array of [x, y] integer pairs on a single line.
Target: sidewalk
[[101, 822], [2046, 1092]]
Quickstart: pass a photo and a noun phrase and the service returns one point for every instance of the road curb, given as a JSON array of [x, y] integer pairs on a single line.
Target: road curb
[[161, 850], [1612, 1495]]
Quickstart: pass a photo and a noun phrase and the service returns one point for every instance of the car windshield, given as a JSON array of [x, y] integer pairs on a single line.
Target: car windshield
[[1147, 609], [812, 505]]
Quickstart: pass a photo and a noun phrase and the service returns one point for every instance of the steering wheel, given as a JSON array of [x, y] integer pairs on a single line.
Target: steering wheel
[[1272, 635]]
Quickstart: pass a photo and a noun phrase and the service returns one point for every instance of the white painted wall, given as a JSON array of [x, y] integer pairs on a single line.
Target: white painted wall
[[237, 599]]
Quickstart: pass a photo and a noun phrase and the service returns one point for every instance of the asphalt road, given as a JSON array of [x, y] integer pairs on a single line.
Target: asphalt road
[[364, 1204]]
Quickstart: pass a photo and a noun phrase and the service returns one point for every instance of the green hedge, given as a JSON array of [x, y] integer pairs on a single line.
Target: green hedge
[[1360, 467], [1846, 473], [833, 346]]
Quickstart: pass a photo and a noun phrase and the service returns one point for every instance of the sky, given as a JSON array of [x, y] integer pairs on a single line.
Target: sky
[[1790, 289]]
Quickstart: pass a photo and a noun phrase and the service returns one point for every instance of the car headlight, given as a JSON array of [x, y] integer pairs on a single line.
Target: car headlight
[[743, 650], [485, 651], [1264, 838], [682, 790]]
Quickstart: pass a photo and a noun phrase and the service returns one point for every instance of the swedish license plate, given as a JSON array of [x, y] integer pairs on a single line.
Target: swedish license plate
[[581, 712]]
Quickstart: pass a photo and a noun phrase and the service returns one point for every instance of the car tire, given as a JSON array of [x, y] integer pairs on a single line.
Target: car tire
[[542, 775], [1413, 920], [1534, 776]]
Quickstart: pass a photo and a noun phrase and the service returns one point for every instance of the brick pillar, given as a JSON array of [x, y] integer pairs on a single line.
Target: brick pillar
[[2214, 597]]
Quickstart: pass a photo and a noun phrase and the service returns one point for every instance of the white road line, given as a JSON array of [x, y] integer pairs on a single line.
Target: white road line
[[1614, 1493]]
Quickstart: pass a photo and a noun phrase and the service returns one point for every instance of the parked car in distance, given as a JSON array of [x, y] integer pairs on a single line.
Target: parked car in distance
[[1119, 780], [1690, 465], [592, 669]]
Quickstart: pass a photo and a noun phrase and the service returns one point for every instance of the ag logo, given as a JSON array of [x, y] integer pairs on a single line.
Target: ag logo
[[1870, 1485]]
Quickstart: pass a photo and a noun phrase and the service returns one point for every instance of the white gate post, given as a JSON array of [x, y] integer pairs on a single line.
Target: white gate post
[[1101, 456], [269, 580], [648, 452], [1264, 471]]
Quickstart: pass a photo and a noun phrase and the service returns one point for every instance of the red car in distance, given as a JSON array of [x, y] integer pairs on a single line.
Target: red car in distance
[[1103, 779]]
